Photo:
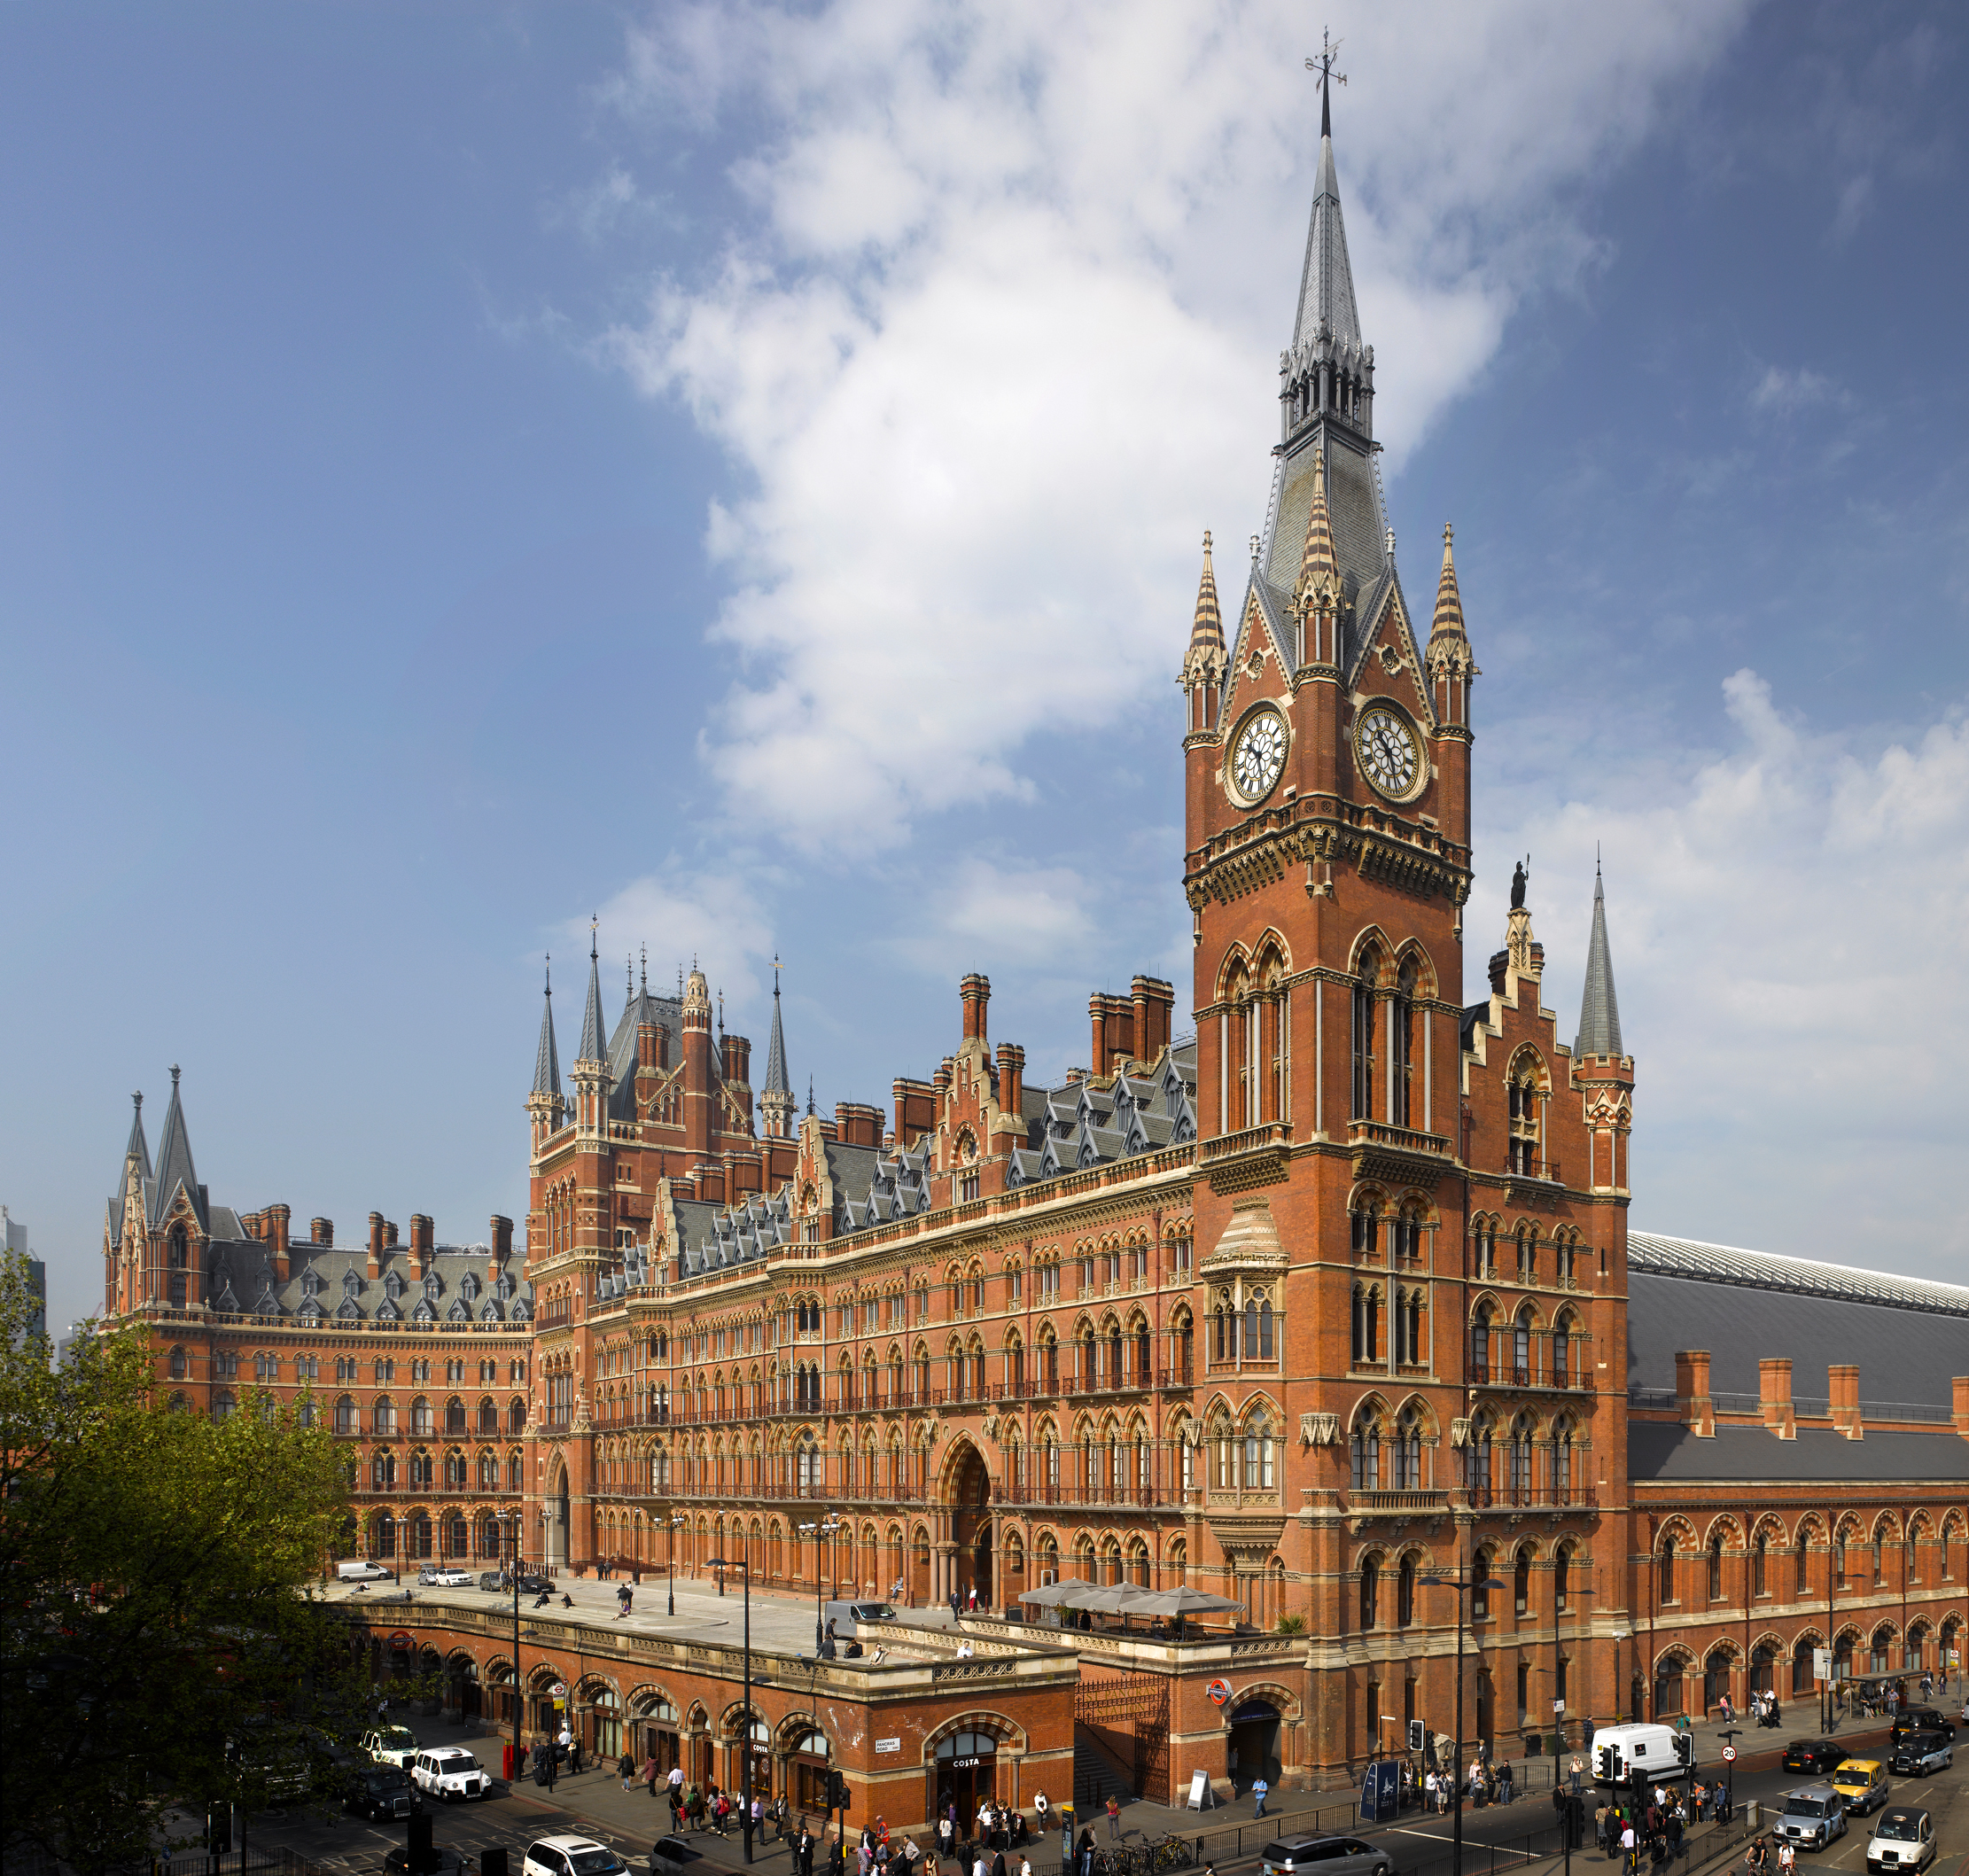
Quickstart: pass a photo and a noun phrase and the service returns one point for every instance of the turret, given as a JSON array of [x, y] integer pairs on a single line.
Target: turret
[[547, 1105], [699, 1090], [1204, 662], [591, 1062], [775, 1101], [1451, 667], [1601, 1070]]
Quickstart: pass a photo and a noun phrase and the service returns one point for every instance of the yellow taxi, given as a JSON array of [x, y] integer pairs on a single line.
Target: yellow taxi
[[1863, 1783]]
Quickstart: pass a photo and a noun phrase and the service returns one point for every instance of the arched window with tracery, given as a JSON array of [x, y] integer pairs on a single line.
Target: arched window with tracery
[[1402, 1043], [1367, 1325], [1480, 1343], [1366, 1452], [1664, 1585], [1363, 1053], [1411, 1330], [1525, 1102], [1408, 1450], [1370, 1591], [1366, 1222], [1520, 1348]]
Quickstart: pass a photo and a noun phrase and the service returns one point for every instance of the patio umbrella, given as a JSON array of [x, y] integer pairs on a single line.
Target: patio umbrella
[[1118, 1599], [1181, 1600], [1070, 1594]]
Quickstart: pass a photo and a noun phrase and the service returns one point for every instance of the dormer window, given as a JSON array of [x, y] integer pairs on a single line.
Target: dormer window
[[351, 1283], [433, 1288], [467, 1286], [393, 1286]]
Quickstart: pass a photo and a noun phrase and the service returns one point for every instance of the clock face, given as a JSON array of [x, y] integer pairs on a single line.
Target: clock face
[[1259, 755], [1385, 746]]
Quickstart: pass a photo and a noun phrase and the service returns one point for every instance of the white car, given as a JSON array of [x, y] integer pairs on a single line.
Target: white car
[[395, 1746], [446, 1579], [1903, 1840], [448, 1772], [572, 1857]]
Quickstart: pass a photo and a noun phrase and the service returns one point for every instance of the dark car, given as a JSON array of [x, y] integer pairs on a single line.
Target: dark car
[[379, 1791], [1919, 1754], [670, 1856], [434, 1862], [1815, 1755], [1922, 1719]]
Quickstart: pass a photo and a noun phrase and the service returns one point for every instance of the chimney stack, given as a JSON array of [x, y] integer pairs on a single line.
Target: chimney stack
[[1960, 1384], [915, 1109], [322, 1231], [421, 1241], [975, 993], [376, 1244], [1774, 1392], [1693, 1401], [502, 1246], [277, 1220], [1011, 1080], [1843, 1384], [856, 1123], [1155, 1000]]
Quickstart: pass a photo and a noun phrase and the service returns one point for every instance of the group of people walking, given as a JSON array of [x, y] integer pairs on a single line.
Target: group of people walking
[[1649, 1828]]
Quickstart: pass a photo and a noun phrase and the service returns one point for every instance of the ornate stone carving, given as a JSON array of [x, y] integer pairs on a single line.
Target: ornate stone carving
[[1460, 1433], [1320, 1429]]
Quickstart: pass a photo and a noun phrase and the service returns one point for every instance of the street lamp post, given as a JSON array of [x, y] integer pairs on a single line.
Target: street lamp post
[[676, 1524], [722, 1564], [514, 1521], [1462, 1586]]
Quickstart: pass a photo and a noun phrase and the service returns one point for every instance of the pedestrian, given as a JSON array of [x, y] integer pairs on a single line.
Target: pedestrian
[[1599, 1826], [1759, 1858], [803, 1850], [979, 1867], [997, 1863], [864, 1858], [758, 1814], [1258, 1790], [1787, 1858], [1086, 1852], [1504, 1783], [626, 1769], [1039, 1809], [1114, 1817]]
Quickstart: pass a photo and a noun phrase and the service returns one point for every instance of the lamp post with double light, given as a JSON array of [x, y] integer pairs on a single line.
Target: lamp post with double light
[[826, 1528], [1463, 1586], [513, 1520], [721, 1564]]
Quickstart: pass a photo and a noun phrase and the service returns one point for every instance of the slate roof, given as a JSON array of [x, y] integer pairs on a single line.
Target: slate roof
[[664, 1013], [547, 1060], [175, 1169], [331, 1283], [592, 1024], [1327, 279], [1907, 1334], [1083, 1123], [1666, 1452], [141, 1147], [776, 1082]]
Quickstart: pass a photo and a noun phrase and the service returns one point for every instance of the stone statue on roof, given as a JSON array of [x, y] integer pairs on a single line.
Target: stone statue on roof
[[1518, 887]]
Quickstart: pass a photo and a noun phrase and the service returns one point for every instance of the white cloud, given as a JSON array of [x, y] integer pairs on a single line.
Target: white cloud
[[1005, 916], [713, 917], [1001, 340], [1787, 923], [1782, 392]]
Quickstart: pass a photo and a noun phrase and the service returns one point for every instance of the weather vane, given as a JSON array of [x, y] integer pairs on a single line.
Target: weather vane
[[1329, 50]]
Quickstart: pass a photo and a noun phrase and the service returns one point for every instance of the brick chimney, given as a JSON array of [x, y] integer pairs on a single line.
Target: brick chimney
[[857, 1123], [1774, 1396], [1011, 1079], [1960, 1384], [915, 1109], [947, 1073], [389, 1233], [278, 1222], [1843, 1384], [975, 993], [1691, 1393], [376, 1244], [502, 1246], [1111, 1029], [421, 1235], [322, 1231], [1155, 1001]]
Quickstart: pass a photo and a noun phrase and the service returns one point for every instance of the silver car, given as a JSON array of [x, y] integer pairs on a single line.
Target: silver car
[[1326, 1856], [1812, 1817]]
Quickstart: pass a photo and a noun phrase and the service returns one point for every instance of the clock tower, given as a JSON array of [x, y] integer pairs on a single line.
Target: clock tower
[[1327, 861]]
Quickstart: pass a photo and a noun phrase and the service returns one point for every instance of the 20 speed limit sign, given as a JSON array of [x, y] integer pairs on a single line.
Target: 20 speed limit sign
[[1729, 1753]]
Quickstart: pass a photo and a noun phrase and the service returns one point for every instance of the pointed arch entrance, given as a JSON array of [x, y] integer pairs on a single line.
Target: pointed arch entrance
[[968, 1493], [556, 1511]]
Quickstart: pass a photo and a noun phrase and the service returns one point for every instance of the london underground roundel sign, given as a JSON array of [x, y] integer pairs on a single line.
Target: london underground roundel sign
[[1218, 1691]]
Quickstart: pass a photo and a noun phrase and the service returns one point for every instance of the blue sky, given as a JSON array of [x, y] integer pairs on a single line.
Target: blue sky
[[741, 472]]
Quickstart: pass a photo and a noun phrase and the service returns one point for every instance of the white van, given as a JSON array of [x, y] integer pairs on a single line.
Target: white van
[[1621, 1751], [360, 1570]]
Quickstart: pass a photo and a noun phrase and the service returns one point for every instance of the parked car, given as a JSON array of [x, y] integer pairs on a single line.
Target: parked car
[[1923, 1719], [846, 1615], [448, 1772], [494, 1580], [452, 1578], [1333, 1855], [1903, 1840], [1919, 1754], [1813, 1816], [1863, 1783], [1814, 1755], [362, 1570], [379, 1791], [395, 1746], [672, 1856], [572, 1857]]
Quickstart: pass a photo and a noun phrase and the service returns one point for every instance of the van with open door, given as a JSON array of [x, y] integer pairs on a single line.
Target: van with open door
[[1618, 1752]]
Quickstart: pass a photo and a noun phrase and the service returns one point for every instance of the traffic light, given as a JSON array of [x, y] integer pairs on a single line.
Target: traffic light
[[423, 1856], [218, 1829], [1607, 1765], [1418, 1736], [1685, 1748], [837, 1792]]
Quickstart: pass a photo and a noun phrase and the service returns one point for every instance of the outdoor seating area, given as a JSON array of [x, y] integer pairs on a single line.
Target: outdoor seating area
[[1168, 1614]]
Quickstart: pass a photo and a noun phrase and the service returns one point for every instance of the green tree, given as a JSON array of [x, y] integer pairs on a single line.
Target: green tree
[[162, 1644]]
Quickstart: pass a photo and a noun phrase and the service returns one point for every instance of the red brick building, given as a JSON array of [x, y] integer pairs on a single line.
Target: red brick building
[[1316, 1291]]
